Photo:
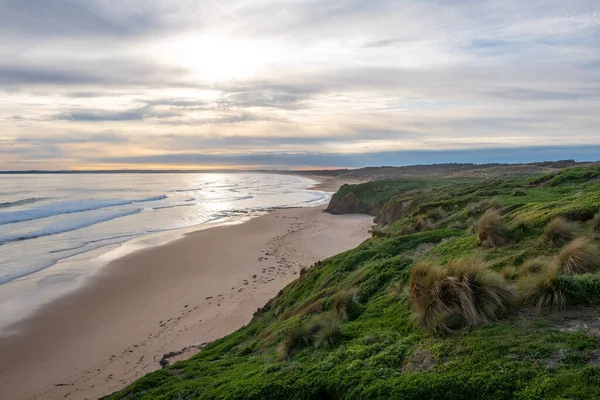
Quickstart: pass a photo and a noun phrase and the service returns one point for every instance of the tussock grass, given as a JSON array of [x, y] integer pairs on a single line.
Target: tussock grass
[[509, 273], [491, 230], [464, 292], [296, 337], [327, 332], [579, 257], [477, 209], [420, 223], [344, 304], [322, 331], [559, 231], [543, 289], [595, 222], [533, 266], [436, 214]]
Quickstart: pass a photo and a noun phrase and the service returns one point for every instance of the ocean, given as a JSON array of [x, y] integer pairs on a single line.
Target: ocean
[[46, 218]]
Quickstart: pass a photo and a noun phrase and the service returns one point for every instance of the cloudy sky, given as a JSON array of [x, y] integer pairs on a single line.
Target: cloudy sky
[[296, 83]]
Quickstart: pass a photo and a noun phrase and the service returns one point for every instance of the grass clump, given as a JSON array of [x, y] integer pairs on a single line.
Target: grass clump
[[327, 333], [344, 304], [596, 223], [509, 273], [491, 230], [463, 293], [296, 337], [436, 214], [579, 257], [543, 289], [559, 231], [477, 209], [533, 266]]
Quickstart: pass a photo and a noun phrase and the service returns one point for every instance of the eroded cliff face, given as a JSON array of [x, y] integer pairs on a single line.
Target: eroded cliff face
[[392, 211], [345, 204]]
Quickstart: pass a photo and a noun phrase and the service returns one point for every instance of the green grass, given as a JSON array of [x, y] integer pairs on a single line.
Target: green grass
[[346, 330]]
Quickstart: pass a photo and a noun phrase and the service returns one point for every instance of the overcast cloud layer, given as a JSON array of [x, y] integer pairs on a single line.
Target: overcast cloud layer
[[182, 83]]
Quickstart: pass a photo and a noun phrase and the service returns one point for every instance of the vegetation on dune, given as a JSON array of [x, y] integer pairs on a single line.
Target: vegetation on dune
[[579, 257], [533, 266], [491, 230], [595, 223], [543, 289], [426, 309], [559, 231], [464, 292]]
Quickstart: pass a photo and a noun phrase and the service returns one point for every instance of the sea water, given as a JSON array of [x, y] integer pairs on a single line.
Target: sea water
[[48, 217]]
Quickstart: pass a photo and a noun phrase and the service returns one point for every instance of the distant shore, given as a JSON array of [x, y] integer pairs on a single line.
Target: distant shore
[[166, 298]]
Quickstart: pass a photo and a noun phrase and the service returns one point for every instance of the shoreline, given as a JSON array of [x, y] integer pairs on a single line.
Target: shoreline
[[26, 295], [118, 326]]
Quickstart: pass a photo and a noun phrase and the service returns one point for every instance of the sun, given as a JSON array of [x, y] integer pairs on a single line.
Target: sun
[[217, 59]]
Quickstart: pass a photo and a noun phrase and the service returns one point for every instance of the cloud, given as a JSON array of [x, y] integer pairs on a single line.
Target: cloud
[[104, 137], [318, 77], [66, 18]]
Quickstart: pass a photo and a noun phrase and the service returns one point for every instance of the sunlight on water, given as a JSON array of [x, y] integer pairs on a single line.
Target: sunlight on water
[[45, 218]]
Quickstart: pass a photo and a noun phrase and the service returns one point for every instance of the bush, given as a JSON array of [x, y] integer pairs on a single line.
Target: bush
[[533, 266], [559, 231], [579, 257], [465, 292], [491, 230], [542, 289], [581, 289]]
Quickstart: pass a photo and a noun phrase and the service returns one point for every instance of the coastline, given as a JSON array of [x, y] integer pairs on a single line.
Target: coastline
[[118, 325]]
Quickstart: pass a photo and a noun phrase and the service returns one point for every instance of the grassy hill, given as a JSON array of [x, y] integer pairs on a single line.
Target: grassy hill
[[474, 289]]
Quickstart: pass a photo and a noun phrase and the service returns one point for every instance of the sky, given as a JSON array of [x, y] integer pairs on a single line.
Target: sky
[[104, 84]]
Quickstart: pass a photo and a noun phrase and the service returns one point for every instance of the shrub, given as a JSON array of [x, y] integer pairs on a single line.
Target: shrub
[[533, 266], [596, 223], [542, 289], [581, 289], [579, 257], [559, 231], [465, 292], [491, 230]]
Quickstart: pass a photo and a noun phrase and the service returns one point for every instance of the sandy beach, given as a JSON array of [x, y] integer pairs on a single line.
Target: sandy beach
[[164, 299]]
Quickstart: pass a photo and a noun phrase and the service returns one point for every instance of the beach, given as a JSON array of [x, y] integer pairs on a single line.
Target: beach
[[167, 299]]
